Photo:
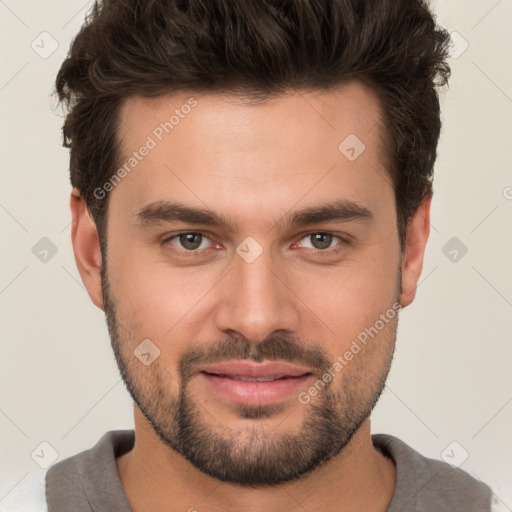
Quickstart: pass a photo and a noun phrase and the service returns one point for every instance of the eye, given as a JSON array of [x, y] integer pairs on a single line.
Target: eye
[[189, 241], [321, 241]]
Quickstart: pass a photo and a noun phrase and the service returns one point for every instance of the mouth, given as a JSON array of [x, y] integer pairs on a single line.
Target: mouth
[[247, 369], [254, 379], [255, 383]]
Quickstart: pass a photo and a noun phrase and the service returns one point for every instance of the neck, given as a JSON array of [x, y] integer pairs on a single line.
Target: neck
[[155, 478]]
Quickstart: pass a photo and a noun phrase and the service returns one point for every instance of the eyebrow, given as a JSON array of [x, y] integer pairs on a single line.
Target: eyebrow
[[339, 210]]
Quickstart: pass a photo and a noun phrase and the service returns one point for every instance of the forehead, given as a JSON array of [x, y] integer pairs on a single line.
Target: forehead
[[306, 115], [216, 150]]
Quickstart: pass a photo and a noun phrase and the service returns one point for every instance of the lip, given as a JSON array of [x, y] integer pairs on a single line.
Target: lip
[[289, 379], [255, 370]]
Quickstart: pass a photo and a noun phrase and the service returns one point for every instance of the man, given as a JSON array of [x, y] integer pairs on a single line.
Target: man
[[252, 183]]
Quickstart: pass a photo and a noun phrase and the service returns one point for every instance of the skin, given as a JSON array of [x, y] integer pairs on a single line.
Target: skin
[[254, 164]]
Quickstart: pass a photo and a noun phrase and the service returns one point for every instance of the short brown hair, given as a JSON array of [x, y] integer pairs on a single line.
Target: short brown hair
[[256, 49]]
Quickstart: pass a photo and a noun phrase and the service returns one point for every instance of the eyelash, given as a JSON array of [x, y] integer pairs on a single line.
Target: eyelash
[[195, 252]]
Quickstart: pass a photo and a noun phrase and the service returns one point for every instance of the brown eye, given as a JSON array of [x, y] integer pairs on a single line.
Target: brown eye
[[190, 241]]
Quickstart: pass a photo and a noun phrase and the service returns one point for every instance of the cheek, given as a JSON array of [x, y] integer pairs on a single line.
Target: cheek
[[156, 301], [351, 298]]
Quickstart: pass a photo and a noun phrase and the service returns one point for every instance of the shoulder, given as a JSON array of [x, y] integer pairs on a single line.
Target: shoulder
[[425, 481], [89, 479], [62, 485], [28, 495], [100, 456]]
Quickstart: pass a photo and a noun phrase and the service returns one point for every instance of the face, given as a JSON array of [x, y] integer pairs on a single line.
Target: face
[[293, 260]]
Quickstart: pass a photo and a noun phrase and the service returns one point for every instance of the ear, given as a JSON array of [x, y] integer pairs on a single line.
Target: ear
[[418, 231], [86, 247]]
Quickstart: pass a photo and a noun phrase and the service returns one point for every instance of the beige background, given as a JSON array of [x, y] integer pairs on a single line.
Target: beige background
[[451, 379]]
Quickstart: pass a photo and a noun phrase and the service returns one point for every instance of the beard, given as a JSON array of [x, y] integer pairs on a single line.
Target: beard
[[253, 456]]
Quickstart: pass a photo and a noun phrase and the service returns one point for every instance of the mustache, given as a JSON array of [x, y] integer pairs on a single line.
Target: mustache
[[276, 348]]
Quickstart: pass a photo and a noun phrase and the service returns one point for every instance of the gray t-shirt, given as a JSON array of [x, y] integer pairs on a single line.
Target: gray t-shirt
[[89, 481]]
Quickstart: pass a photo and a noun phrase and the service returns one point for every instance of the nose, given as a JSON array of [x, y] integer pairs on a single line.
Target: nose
[[257, 300]]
